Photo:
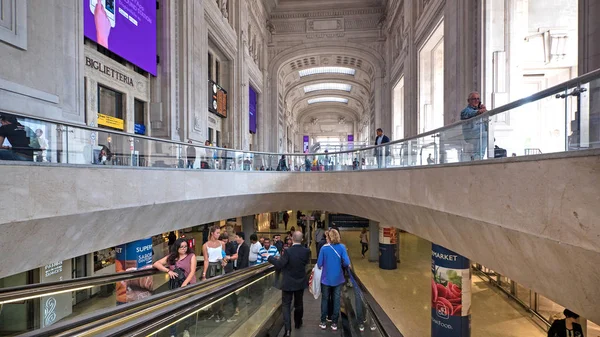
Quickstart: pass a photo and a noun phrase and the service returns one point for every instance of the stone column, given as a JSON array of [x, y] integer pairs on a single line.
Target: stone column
[[462, 53], [450, 294], [373, 241], [248, 226], [388, 243]]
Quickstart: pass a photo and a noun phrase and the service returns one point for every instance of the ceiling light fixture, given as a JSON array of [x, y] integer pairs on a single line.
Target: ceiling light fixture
[[327, 70], [328, 100], [327, 86]]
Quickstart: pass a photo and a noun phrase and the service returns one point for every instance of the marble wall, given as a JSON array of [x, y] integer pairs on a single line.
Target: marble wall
[[533, 219]]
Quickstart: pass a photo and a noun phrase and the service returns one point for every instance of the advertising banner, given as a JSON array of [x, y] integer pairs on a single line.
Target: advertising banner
[[350, 142], [305, 144], [252, 110], [134, 256], [125, 27], [55, 307], [450, 294]]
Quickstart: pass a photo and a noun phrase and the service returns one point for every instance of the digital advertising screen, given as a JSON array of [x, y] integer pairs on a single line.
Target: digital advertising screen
[[125, 27]]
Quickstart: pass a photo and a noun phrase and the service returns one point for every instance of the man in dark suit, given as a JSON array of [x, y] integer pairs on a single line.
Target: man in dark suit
[[292, 265], [379, 153], [243, 251]]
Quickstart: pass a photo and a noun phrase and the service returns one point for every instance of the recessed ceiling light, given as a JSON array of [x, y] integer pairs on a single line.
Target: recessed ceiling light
[[328, 100], [327, 70], [327, 86]]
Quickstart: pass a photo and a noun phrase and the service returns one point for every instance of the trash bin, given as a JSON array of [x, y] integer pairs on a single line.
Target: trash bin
[[387, 257]]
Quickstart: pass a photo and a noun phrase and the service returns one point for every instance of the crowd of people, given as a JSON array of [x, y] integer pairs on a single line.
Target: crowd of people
[[224, 253]]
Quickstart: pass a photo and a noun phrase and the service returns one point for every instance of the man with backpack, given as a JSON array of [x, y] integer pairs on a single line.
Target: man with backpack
[[21, 138]]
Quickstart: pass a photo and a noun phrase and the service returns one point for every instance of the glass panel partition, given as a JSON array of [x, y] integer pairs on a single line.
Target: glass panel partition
[[562, 118]]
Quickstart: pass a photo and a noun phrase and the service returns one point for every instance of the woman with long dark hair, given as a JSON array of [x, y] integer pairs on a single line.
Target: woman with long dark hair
[[181, 262], [181, 257]]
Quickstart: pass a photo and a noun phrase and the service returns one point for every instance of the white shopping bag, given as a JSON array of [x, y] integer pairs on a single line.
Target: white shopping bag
[[314, 283]]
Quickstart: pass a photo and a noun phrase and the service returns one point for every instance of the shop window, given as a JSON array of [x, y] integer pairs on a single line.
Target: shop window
[[431, 81], [110, 102], [218, 72], [210, 135], [210, 67], [139, 117], [398, 115]]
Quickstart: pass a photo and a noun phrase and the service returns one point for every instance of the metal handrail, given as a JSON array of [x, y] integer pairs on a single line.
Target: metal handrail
[[25, 292], [164, 317], [106, 316], [383, 321], [515, 104]]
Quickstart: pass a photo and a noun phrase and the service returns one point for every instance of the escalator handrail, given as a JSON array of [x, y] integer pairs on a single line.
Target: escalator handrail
[[381, 319], [29, 291], [148, 324], [102, 316]]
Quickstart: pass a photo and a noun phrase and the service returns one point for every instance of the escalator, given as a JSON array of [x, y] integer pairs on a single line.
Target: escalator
[[243, 303]]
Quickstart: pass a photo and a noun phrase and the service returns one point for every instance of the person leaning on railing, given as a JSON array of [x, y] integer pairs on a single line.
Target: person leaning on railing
[[475, 133]]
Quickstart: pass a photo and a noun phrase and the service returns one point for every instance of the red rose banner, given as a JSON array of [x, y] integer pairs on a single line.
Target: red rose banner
[[450, 294]]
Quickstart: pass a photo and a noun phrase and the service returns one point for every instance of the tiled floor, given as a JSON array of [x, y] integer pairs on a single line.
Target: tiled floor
[[404, 294]]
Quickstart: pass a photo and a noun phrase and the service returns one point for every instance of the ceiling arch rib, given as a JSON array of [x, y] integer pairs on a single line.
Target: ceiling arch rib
[[297, 87], [299, 105], [310, 112]]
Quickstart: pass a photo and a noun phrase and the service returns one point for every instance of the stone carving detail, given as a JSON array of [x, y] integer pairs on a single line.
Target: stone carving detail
[[366, 23], [290, 26], [225, 9], [197, 124], [325, 35], [328, 13], [271, 30], [325, 25]]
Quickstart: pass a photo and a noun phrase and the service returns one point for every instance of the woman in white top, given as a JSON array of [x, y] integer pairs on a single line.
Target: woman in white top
[[212, 251], [254, 248], [364, 241]]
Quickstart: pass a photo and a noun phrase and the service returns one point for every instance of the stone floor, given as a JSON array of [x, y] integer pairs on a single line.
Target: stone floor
[[405, 293]]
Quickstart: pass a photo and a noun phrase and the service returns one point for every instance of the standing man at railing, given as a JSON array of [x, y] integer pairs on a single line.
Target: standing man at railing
[[475, 132], [380, 153]]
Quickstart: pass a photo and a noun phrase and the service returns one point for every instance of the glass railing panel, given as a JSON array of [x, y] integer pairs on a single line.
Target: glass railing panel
[[535, 127], [45, 142], [238, 313], [27, 314]]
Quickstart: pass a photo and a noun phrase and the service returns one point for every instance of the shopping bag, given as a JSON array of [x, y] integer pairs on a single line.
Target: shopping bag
[[314, 282]]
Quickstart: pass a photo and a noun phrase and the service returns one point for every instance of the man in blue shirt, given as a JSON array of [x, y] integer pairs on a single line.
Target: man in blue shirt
[[268, 250], [475, 132]]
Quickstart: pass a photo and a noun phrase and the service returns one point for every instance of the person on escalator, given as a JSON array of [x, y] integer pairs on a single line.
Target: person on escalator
[[180, 264], [568, 327], [333, 259], [292, 265]]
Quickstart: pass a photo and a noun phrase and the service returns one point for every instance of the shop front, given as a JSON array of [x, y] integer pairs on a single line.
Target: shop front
[[116, 98]]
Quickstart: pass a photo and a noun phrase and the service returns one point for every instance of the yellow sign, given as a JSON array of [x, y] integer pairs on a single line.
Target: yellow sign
[[110, 121]]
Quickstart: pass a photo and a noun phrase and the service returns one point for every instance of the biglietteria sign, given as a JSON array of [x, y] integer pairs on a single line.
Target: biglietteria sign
[[115, 74]]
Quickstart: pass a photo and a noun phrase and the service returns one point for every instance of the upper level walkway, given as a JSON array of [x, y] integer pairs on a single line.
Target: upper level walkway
[[532, 218]]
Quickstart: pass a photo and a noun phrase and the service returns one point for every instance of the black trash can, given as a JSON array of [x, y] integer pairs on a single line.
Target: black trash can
[[387, 257]]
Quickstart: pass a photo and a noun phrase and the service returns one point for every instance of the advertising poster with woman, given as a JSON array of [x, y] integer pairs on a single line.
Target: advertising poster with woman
[[134, 256], [450, 294]]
